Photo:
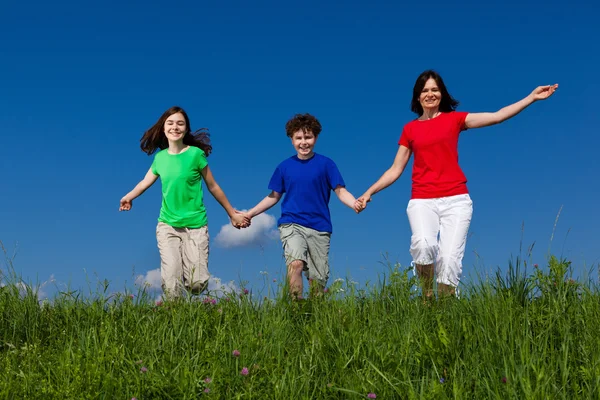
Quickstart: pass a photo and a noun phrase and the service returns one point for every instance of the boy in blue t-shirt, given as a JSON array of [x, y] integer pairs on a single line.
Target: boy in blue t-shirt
[[305, 224]]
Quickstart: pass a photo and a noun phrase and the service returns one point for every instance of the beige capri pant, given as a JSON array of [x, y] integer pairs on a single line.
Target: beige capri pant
[[183, 258]]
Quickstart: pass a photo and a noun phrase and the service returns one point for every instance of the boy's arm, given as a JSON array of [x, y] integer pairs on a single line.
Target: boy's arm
[[345, 196], [140, 188], [264, 204]]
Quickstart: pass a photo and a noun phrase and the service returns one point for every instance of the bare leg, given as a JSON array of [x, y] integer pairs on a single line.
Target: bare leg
[[315, 288], [446, 290], [295, 278], [425, 273]]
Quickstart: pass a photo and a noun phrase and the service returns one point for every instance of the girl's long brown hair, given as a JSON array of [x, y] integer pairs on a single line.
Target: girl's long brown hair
[[447, 103], [155, 139]]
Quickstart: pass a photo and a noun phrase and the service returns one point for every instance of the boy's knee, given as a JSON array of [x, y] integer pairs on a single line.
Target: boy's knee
[[423, 249], [296, 266]]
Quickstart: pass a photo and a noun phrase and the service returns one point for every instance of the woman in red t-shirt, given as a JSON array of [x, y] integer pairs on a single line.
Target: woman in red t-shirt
[[440, 202]]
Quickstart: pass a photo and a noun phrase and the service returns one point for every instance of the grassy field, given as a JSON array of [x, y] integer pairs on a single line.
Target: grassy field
[[513, 336]]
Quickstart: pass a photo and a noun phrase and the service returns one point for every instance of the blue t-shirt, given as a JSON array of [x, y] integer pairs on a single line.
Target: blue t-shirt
[[308, 185]]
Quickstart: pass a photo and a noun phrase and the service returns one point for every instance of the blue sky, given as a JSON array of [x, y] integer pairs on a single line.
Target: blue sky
[[82, 82]]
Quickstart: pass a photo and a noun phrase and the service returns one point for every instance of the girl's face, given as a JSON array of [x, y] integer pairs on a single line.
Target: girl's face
[[430, 95], [175, 127]]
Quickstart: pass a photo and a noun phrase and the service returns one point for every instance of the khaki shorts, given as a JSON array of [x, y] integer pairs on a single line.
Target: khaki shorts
[[183, 258], [308, 245]]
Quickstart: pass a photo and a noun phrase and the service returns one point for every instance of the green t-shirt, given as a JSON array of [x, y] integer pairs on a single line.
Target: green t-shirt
[[182, 198]]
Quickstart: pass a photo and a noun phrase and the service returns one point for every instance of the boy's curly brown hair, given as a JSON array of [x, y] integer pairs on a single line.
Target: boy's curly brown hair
[[303, 122]]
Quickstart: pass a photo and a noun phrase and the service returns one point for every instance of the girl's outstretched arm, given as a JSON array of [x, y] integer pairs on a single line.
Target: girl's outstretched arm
[[479, 120], [264, 204], [345, 196], [390, 176], [237, 220], [140, 188]]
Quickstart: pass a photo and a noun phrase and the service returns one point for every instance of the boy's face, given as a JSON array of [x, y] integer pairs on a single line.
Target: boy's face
[[304, 142]]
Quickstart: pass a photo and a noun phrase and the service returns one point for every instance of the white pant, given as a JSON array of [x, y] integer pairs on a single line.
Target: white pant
[[450, 217]]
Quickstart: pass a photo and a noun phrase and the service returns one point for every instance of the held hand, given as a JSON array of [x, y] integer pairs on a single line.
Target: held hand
[[247, 218], [240, 220], [247, 221], [543, 92], [361, 203], [125, 204]]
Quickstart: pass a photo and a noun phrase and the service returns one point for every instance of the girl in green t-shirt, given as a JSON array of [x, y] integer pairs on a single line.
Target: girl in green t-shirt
[[182, 230]]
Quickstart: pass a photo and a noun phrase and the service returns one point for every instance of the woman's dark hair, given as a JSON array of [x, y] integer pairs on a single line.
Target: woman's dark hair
[[154, 138], [304, 122], [447, 103]]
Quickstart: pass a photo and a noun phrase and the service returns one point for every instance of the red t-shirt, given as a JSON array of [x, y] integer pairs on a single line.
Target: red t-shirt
[[434, 143]]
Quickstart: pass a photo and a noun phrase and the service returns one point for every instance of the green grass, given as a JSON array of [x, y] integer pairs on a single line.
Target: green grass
[[517, 336]]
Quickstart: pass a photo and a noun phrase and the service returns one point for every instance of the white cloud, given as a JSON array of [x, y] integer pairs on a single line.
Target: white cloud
[[42, 291], [23, 287], [151, 280], [260, 232], [215, 285]]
